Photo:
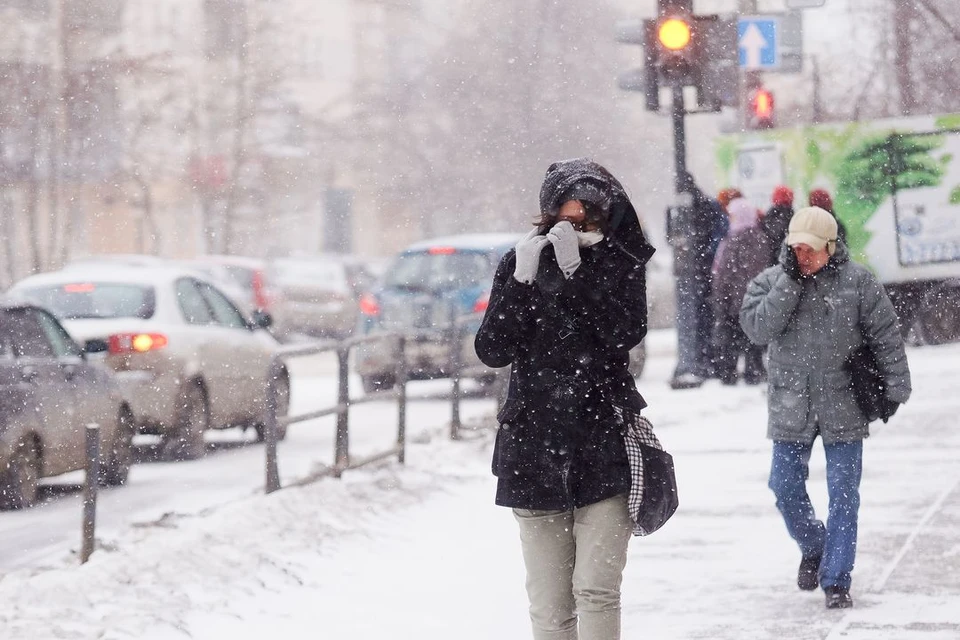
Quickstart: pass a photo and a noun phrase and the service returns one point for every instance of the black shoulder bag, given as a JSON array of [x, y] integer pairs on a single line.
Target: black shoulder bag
[[869, 388]]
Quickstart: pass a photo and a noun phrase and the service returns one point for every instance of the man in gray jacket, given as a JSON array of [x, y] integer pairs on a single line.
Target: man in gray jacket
[[814, 309]]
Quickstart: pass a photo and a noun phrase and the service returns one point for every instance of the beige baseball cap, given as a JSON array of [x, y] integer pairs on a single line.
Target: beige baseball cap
[[814, 227]]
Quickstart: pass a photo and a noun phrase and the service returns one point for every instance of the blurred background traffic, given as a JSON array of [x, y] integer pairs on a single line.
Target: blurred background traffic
[[187, 185]]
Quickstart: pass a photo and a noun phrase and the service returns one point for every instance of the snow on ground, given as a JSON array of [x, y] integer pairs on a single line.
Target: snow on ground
[[420, 551]]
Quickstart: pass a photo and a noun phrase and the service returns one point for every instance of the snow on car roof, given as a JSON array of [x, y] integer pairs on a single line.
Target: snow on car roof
[[111, 273], [238, 261], [470, 241]]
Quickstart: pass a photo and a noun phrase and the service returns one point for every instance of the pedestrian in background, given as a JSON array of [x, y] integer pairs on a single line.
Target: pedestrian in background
[[814, 309], [694, 233], [777, 219], [741, 255], [566, 307], [821, 198], [725, 196]]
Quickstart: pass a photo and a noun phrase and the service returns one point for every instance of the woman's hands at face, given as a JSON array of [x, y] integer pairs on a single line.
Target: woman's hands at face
[[528, 256], [563, 237]]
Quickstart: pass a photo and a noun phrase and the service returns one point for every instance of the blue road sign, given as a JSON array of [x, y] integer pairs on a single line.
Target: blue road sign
[[757, 42]]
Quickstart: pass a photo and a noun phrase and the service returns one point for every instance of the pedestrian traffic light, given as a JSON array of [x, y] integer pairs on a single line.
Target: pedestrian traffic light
[[677, 46], [761, 109]]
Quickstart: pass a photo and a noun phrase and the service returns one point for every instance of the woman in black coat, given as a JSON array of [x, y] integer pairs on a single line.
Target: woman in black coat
[[566, 307]]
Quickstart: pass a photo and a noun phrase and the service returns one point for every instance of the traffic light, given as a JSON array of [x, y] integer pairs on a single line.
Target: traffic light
[[645, 79], [761, 109], [677, 47], [680, 48]]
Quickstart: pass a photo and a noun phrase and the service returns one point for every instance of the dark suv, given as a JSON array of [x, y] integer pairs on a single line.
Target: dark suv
[[425, 288]]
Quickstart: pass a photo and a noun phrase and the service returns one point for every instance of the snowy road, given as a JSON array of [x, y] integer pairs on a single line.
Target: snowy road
[[233, 469]]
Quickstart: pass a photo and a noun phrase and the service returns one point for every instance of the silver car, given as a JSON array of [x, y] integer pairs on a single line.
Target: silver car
[[49, 391], [188, 359], [317, 296]]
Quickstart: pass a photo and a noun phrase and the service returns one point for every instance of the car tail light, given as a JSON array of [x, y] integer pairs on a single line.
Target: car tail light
[[261, 297], [369, 305], [123, 343], [482, 303], [441, 251]]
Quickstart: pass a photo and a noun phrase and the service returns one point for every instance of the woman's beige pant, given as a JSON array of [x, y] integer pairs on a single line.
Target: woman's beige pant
[[575, 562]]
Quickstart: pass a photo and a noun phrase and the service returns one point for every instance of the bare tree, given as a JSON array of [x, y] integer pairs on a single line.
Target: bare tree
[[515, 86], [155, 119]]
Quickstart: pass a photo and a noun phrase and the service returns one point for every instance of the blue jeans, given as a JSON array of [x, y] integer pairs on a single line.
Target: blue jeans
[[837, 542]]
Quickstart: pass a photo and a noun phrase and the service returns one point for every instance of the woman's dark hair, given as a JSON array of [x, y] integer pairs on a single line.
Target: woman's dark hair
[[594, 213]]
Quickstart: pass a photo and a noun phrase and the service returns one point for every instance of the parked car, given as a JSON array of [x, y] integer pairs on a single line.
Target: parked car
[[49, 390], [245, 277], [426, 286], [317, 296], [187, 357]]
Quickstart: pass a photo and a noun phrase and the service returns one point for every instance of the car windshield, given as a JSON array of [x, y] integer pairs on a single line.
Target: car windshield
[[312, 273], [77, 300], [435, 271]]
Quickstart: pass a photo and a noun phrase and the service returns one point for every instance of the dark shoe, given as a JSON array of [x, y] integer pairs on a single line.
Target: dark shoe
[[838, 597], [686, 381], [807, 573]]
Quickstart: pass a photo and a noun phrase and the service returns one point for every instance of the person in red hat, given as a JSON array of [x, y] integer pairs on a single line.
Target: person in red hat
[[821, 198], [725, 196], [777, 219]]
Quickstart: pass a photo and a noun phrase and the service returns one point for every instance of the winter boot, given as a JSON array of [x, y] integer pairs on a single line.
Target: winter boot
[[838, 597], [807, 574]]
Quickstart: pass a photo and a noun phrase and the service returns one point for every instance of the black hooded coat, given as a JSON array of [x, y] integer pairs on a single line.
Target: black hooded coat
[[567, 341]]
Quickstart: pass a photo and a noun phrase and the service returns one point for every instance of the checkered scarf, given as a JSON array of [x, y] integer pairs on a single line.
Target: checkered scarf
[[637, 431]]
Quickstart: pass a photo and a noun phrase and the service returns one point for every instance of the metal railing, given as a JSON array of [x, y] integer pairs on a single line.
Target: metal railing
[[454, 333], [91, 482]]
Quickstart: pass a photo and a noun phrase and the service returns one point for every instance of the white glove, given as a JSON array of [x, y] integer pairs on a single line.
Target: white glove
[[565, 246], [528, 256]]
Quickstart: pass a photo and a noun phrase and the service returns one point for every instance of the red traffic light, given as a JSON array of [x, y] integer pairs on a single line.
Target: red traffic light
[[761, 109]]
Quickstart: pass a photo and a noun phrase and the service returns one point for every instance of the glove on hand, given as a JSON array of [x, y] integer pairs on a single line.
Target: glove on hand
[[889, 408], [790, 265], [565, 246], [528, 256]]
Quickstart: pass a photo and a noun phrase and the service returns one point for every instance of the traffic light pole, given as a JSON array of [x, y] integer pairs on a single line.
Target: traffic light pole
[[679, 140], [681, 235]]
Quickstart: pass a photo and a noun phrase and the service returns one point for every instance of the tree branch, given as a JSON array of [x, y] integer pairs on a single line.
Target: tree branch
[[940, 17]]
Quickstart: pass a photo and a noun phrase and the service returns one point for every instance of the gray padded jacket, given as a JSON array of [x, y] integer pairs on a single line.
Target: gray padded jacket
[[811, 327]]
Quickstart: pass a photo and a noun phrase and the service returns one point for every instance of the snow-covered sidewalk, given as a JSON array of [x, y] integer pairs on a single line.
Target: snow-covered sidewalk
[[420, 551]]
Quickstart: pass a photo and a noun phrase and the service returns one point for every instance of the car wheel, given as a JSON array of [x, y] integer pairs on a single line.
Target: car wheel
[[20, 481], [380, 382], [937, 319], [188, 443], [283, 409], [120, 458]]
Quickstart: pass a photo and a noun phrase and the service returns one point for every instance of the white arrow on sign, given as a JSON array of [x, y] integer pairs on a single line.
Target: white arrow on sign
[[753, 43]]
